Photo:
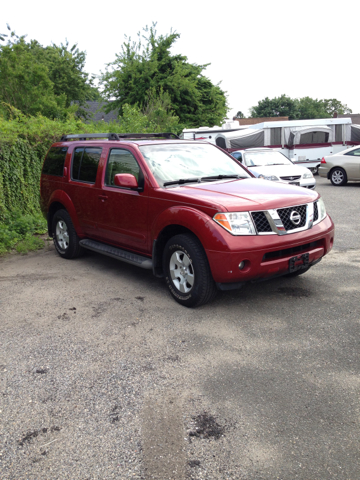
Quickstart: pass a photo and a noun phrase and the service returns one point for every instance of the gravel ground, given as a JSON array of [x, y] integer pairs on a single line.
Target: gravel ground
[[104, 376]]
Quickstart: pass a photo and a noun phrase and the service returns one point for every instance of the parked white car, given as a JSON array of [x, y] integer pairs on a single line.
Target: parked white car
[[272, 165], [342, 166]]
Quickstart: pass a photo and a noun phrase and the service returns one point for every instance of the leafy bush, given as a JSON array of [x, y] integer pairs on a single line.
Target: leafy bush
[[16, 227]]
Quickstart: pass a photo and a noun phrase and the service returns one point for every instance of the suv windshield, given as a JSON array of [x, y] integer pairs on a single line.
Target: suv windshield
[[176, 163], [260, 159]]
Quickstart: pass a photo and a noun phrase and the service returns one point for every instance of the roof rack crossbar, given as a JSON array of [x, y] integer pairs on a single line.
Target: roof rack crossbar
[[118, 136], [167, 135], [84, 136]]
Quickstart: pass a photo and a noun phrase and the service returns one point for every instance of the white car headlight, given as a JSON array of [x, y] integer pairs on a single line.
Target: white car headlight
[[321, 209], [273, 178], [308, 175], [237, 223]]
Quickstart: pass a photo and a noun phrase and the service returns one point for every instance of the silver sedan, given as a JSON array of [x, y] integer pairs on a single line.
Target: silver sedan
[[342, 166]]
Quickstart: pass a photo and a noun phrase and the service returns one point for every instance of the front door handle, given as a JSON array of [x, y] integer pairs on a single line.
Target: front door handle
[[103, 197]]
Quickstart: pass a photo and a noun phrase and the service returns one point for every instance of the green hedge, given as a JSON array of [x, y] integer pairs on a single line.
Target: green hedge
[[24, 142]]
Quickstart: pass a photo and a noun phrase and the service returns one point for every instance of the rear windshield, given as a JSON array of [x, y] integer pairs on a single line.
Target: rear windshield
[[54, 161]]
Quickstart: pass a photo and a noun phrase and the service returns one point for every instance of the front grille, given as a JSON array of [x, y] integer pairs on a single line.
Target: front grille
[[286, 252], [285, 213], [316, 212], [293, 177], [261, 222]]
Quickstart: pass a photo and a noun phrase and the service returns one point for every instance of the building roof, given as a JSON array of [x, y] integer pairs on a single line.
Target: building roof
[[96, 111], [355, 117]]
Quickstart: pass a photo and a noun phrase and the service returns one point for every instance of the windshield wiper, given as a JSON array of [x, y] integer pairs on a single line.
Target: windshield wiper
[[220, 177], [181, 181]]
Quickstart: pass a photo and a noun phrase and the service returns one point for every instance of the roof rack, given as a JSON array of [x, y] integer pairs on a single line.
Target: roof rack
[[118, 136]]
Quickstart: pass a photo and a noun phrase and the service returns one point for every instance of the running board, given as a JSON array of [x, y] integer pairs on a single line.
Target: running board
[[123, 255]]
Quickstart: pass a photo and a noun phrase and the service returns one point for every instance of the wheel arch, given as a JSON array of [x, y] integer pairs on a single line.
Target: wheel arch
[[176, 220], [159, 244], [60, 200]]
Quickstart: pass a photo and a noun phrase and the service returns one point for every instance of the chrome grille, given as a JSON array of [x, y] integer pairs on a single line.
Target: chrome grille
[[291, 178], [261, 222], [285, 214]]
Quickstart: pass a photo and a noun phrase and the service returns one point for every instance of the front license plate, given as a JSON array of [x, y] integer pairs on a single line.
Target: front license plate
[[295, 183], [298, 262]]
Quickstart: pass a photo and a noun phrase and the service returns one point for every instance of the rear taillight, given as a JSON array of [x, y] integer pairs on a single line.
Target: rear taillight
[[323, 160]]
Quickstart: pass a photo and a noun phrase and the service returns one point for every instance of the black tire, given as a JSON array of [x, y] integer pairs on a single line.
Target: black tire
[[187, 271], [65, 237], [298, 272], [338, 177]]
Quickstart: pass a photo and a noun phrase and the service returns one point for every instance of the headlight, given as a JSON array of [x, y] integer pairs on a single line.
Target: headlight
[[271, 177], [321, 209], [237, 223], [308, 175]]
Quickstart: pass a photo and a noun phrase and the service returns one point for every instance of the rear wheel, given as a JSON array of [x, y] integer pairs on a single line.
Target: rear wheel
[[187, 271], [338, 177], [65, 237]]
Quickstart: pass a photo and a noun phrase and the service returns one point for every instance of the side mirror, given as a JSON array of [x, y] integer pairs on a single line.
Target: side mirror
[[125, 180]]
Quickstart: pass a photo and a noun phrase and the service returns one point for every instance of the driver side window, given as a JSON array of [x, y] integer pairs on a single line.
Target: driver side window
[[120, 161]]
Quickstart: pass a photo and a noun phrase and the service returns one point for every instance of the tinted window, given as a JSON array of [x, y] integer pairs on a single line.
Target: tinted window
[[220, 142], [237, 155], [355, 153], [120, 161], [54, 161], [314, 137], [85, 164]]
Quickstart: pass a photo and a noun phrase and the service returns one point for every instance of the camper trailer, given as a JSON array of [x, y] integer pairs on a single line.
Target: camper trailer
[[209, 133], [304, 142]]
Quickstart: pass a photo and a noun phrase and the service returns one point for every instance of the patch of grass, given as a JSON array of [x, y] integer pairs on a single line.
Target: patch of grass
[[29, 243], [17, 231]]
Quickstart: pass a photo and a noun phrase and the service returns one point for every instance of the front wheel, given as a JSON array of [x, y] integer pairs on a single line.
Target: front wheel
[[338, 177], [65, 237], [187, 271]]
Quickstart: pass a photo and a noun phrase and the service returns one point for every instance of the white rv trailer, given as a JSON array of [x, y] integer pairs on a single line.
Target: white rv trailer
[[304, 142], [209, 133]]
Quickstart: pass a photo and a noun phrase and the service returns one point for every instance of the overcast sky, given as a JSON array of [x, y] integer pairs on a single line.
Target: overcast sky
[[257, 49]]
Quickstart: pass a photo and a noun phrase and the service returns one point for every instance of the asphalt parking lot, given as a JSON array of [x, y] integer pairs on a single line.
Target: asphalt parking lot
[[104, 376]]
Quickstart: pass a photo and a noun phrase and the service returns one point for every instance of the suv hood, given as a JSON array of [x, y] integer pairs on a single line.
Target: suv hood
[[244, 194]]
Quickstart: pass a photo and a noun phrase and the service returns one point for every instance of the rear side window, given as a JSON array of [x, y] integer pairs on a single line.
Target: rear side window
[[354, 153], [120, 161], [54, 161], [85, 164]]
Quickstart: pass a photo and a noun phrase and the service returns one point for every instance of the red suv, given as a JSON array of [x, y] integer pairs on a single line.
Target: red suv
[[187, 210]]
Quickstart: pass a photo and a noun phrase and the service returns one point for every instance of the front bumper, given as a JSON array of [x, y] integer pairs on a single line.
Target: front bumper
[[266, 256]]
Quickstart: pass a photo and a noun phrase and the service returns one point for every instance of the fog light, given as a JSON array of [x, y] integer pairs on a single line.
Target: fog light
[[241, 265]]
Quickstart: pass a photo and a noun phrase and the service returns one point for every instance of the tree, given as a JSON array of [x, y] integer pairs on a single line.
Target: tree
[[332, 105], [282, 106], [25, 84], [298, 108], [147, 65], [45, 80], [311, 108], [239, 115]]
